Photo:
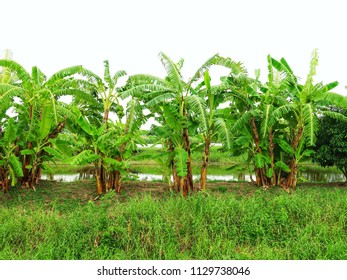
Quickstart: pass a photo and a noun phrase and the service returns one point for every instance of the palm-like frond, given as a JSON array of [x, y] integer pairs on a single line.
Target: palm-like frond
[[336, 99], [163, 97], [66, 112], [20, 71], [117, 75], [335, 115], [285, 146], [64, 73], [280, 112], [208, 63], [181, 157], [306, 91], [54, 152], [10, 132], [87, 128], [282, 166], [142, 89], [223, 132], [114, 164], [107, 76], [8, 92], [288, 80], [45, 122], [235, 67], [77, 94], [172, 71], [16, 165], [6, 77], [215, 89], [241, 122], [171, 118], [180, 64], [140, 79], [310, 124], [37, 76], [266, 120], [131, 115], [91, 76], [84, 157], [198, 106]]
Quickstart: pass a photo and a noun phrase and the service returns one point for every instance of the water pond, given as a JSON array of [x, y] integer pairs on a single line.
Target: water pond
[[215, 173]]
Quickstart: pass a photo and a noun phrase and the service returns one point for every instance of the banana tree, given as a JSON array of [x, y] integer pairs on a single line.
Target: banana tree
[[251, 107], [278, 120], [167, 99], [107, 146], [90, 153], [300, 114], [211, 121], [120, 143], [37, 110]]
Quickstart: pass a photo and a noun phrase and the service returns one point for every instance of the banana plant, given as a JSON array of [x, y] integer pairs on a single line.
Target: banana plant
[[305, 103], [278, 120], [108, 147], [10, 166], [121, 141], [212, 122], [172, 93], [251, 107], [38, 110]]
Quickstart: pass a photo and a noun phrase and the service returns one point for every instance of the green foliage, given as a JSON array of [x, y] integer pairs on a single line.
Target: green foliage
[[181, 157], [331, 146], [273, 124], [83, 158]]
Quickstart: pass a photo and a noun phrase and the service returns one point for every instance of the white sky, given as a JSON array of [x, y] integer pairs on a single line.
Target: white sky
[[130, 33]]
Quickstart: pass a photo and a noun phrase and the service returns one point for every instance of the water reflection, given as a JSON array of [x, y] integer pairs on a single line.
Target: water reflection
[[316, 176], [307, 175]]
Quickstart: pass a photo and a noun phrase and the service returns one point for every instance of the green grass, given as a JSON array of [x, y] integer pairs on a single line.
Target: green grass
[[61, 221]]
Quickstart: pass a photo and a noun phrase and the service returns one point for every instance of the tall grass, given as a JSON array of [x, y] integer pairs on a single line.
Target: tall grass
[[309, 224]]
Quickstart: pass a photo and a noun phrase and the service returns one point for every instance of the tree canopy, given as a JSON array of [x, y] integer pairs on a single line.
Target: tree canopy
[[331, 145], [275, 124]]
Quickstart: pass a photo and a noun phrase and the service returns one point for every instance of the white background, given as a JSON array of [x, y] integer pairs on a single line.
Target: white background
[[260, 270], [59, 33]]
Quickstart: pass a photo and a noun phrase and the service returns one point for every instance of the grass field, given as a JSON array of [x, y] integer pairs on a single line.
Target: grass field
[[230, 221]]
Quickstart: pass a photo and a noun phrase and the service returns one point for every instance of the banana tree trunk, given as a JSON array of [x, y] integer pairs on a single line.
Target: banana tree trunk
[[260, 173], [27, 159], [4, 182], [184, 186], [103, 176], [273, 179], [189, 178], [97, 178], [117, 183], [26, 163], [38, 175], [117, 176], [292, 178], [203, 174], [176, 179], [105, 120]]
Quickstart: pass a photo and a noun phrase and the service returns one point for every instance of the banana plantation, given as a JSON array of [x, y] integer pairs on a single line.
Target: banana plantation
[[273, 123]]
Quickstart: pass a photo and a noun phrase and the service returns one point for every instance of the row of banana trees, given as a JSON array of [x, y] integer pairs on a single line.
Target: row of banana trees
[[273, 123]]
